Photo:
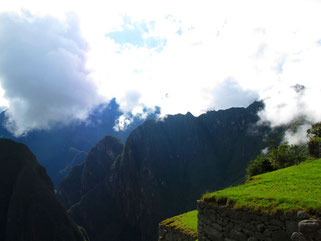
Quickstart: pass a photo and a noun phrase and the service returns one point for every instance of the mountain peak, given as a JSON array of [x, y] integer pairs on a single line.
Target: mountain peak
[[29, 205]]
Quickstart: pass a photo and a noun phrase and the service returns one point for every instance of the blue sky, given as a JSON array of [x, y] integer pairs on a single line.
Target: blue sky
[[136, 34]]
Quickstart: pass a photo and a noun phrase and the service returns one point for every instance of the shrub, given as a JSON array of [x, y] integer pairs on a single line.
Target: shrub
[[260, 165], [315, 147], [315, 139], [315, 130], [284, 155]]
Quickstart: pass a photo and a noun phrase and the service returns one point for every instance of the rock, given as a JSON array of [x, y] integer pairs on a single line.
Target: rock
[[291, 226], [276, 222], [297, 237], [267, 233], [280, 236], [237, 235], [167, 233], [317, 235], [215, 234], [260, 227], [302, 215], [307, 227], [251, 239]]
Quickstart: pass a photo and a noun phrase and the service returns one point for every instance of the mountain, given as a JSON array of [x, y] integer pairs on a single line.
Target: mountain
[[86, 176], [165, 166], [87, 187], [62, 147], [29, 209]]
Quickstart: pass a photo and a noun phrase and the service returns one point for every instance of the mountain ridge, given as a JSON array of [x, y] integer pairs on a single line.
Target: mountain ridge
[[29, 209], [166, 165], [55, 148]]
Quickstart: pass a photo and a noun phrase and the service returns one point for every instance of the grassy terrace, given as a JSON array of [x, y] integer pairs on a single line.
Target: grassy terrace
[[285, 190], [186, 222]]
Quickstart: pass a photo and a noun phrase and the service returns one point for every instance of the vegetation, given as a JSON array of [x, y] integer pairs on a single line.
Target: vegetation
[[285, 190], [186, 223], [315, 139], [284, 155], [315, 130]]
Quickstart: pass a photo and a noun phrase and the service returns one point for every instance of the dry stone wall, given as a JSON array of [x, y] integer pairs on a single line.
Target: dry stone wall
[[167, 233], [220, 223]]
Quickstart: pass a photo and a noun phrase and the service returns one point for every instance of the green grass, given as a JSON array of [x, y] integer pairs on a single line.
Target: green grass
[[317, 139], [283, 191], [186, 223]]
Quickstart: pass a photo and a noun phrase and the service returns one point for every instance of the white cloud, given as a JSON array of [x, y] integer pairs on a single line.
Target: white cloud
[[266, 47], [42, 72], [297, 137], [229, 94]]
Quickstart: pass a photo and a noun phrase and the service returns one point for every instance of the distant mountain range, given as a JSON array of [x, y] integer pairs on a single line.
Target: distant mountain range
[[62, 147], [121, 192]]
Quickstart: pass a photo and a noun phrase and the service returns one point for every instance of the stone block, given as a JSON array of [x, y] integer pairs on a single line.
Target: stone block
[[309, 226], [291, 226], [237, 235], [280, 236], [251, 239], [267, 233], [214, 234], [297, 237], [301, 215], [276, 222], [260, 227]]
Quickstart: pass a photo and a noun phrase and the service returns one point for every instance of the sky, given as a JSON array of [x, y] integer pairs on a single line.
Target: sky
[[60, 59]]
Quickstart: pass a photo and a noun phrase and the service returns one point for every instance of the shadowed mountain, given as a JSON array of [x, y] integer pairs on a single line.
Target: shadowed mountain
[[86, 176], [166, 165], [62, 147], [29, 209]]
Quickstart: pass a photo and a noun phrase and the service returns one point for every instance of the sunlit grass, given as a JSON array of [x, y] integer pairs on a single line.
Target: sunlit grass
[[285, 190], [186, 223]]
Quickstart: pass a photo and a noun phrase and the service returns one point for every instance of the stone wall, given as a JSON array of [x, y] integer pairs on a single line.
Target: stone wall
[[220, 223], [166, 233]]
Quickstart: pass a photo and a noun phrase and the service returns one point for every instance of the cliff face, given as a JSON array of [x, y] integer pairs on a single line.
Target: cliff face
[[88, 194], [29, 209], [166, 166], [96, 167]]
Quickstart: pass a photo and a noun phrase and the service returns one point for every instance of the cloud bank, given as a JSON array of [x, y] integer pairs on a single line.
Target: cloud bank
[[42, 72], [180, 56]]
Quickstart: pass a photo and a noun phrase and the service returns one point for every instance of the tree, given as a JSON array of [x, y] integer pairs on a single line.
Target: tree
[[315, 140], [282, 156], [314, 131]]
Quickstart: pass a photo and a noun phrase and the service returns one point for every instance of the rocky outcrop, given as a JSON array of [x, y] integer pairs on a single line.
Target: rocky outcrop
[[167, 233], [219, 223], [96, 167], [90, 196], [309, 230], [29, 209]]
